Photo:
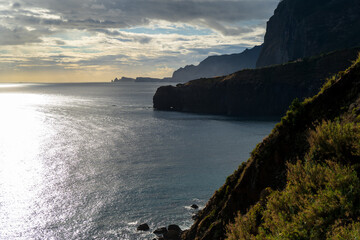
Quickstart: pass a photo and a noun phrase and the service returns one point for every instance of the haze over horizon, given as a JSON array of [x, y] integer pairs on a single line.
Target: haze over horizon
[[97, 40]]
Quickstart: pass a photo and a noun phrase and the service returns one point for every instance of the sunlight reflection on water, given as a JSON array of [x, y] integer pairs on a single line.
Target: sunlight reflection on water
[[90, 161], [21, 169]]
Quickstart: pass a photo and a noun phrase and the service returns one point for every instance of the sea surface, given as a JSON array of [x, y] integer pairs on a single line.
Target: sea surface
[[94, 160]]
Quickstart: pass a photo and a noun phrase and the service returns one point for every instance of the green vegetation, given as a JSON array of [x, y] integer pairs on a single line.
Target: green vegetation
[[336, 142], [321, 199], [292, 115], [302, 181]]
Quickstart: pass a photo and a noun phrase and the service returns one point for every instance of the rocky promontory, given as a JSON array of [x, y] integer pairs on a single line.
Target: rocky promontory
[[254, 92]]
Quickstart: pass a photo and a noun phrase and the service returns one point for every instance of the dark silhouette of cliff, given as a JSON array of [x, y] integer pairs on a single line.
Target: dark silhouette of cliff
[[304, 28], [212, 66], [257, 92], [221, 65]]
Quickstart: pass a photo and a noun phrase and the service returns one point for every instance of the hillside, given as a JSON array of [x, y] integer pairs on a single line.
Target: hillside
[[257, 92], [304, 28], [221, 65], [338, 102]]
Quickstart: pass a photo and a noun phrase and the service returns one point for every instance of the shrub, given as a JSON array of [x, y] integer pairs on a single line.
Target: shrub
[[335, 141], [246, 226], [317, 197], [292, 115], [349, 231]]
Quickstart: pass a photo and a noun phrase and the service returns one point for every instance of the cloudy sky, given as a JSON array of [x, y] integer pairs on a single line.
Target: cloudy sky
[[97, 40]]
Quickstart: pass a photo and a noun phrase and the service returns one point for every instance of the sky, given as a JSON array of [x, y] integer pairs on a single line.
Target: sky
[[98, 40]]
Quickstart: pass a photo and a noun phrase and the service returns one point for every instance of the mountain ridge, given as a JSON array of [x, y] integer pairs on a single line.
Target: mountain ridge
[[264, 92], [212, 66]]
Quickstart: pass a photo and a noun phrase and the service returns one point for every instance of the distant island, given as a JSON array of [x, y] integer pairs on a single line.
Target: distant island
[[142, 79]]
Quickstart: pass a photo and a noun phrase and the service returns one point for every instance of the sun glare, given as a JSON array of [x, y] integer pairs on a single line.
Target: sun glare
[[21, 167]]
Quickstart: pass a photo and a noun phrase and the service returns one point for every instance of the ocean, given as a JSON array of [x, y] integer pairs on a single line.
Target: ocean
[[94, 160]]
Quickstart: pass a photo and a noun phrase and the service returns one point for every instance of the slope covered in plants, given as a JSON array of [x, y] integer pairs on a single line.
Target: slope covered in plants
[[268, 167]]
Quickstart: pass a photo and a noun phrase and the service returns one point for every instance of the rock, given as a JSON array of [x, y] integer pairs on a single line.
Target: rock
[[160, 231], [195, 216], [172, 235], [194, 206], [174, 227], [143, 227]]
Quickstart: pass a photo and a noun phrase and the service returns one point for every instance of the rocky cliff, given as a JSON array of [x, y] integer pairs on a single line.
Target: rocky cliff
[[218, 65], [338, 99], [210, 67], [257, 92], [303, 28]]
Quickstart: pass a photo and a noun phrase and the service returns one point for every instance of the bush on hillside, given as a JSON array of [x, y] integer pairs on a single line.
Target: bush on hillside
[[335, 141], [316, 199], [322, 196]]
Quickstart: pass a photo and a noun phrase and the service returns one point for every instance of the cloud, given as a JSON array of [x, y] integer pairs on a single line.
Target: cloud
[[140, 35], [16, 5], [228, 17], [59, 42], [90, 14], [18, 36]]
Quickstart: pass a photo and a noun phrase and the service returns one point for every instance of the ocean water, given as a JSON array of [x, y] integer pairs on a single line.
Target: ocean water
[[94, 160]]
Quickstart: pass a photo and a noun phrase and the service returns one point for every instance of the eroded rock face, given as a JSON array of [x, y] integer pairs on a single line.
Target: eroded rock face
[[265, 92], [304, 28]]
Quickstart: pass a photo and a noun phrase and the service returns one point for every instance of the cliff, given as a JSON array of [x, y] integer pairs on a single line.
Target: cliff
[[210, 67], [338, 100], [254, 93], [221, 65], [303, 28], [123, 79], [149, 79]]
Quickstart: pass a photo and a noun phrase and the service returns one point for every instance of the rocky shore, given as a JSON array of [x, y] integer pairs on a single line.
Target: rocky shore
[[172, 231]]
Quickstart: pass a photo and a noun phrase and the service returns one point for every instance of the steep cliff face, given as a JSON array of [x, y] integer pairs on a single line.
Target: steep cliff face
[[303, 28], [339, 98], [218, 65], [258, 92]]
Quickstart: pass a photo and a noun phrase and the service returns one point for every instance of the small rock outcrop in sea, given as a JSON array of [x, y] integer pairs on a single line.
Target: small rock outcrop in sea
[[172, 232], [194, 206], [143, 227], [174, 227], [172, 235], [160, 231]]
